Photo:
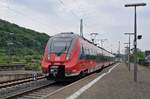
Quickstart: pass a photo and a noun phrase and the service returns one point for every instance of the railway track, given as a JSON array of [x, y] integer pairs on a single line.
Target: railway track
[[40, 93], [37, 90], [33, 89], [15, 82], [29, 88], [46, 91], [15, 88]]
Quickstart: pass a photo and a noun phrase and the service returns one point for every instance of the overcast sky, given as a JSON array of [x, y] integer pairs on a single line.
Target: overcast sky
[[109, 18]]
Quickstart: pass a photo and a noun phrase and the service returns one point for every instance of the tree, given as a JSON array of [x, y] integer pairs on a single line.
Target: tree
[[140, 55]]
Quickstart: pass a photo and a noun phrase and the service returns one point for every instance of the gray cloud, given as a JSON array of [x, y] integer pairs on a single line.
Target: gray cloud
[[110, 18]]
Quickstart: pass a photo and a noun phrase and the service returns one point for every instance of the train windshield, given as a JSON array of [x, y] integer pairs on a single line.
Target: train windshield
[[60, 45]]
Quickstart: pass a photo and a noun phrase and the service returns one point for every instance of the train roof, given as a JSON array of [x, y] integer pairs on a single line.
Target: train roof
[[73, 35], [67, 34]]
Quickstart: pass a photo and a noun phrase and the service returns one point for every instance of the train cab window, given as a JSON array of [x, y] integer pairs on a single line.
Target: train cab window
[[60, 45]]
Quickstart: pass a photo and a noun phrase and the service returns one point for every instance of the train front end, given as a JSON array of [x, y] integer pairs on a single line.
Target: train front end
[[60, 57]]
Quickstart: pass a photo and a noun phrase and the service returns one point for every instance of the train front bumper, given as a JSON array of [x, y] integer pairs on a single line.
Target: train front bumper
[[61, 71]]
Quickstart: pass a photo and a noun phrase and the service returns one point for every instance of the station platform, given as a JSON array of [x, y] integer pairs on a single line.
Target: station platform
[[16, 75], [114, 82], [11, 72]]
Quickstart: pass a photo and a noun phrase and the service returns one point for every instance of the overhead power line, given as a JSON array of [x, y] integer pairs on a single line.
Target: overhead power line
[[23, 14], [72, 12]]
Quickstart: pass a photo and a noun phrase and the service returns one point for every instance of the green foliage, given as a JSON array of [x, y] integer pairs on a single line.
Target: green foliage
[[21, 38], [28, 59], [18, 44], [140, 54]]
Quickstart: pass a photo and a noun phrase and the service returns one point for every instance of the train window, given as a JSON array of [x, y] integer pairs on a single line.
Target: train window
[[60, 45], [96, 53], [88, 53], [82, 50], [82, 53], [93, 52], [85, 50], [49, 44]]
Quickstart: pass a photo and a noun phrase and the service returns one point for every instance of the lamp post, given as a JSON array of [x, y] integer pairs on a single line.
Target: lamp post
[[129, 48], [135, 36], [126, 52]]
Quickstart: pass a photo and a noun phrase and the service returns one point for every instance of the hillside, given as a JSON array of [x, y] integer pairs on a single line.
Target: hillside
[[16, 41]]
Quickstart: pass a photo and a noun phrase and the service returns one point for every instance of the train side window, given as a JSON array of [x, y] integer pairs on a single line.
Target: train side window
[[88, 53], [85, 50], [94, 54], [82, 52]]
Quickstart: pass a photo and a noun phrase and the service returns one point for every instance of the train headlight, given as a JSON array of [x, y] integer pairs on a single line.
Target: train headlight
[[67, 57], [48, 57]]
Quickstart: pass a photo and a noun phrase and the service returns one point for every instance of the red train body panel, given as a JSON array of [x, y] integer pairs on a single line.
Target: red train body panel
[[68, 54]]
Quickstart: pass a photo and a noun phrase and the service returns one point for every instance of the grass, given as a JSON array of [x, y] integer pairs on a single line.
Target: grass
[[32, 61]]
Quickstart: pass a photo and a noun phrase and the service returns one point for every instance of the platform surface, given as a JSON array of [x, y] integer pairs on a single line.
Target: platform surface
[[14, 72], [118, 84]]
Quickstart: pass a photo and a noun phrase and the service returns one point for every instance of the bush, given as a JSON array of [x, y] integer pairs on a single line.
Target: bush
[[28, 59], [33, 66], [15, 59]]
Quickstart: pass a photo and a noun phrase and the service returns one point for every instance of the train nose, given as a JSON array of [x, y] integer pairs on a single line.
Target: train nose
[[58, 59]]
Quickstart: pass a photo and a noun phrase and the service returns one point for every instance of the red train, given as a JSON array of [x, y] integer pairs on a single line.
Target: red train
[[68, 54]]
